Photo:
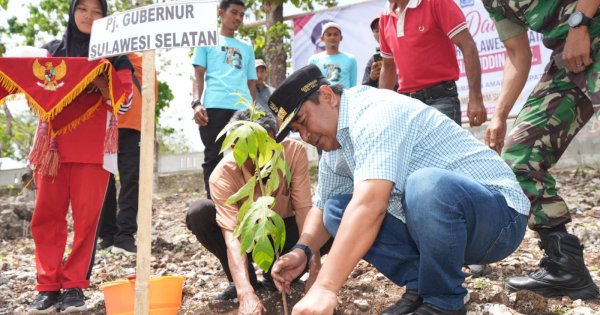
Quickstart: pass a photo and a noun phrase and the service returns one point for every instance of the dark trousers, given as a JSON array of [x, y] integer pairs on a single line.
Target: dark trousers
[[123, 225], [443, 97], [218, 118], [201, 220]]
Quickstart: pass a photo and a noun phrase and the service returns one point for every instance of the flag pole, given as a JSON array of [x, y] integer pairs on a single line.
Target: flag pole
[[144, 233]]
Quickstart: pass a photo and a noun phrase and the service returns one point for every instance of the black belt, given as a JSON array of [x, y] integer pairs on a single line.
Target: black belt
[[444, 89]]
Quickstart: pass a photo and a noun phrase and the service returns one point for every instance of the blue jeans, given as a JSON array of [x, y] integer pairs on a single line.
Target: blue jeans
[[451, 220]]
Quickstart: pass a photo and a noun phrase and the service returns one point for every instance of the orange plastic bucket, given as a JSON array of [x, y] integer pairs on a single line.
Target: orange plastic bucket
[[164, 295]]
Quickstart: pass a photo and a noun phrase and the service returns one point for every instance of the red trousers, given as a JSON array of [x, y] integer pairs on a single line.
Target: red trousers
[[83, 186]]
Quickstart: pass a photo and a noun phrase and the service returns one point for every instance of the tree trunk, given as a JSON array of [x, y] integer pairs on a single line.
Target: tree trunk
[[9, 122], [275, 54]]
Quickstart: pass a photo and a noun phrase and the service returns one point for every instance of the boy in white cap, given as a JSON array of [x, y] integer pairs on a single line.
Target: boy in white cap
[[336, 66]]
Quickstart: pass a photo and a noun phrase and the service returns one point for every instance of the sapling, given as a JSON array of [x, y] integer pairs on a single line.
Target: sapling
[[260, 229]]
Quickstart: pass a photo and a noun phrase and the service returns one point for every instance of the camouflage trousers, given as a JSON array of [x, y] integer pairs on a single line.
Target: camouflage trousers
[[560, 105]]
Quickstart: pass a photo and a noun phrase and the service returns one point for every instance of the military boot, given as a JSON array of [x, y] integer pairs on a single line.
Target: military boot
[[561, 271]]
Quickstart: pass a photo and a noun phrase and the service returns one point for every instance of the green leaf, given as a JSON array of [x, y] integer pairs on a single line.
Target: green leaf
[[279, 236], [246, 191], [240, 151], [231, 137], [252, 225], [252, 147], [263, 254], [245, 207], [246, 232], [272, 183]]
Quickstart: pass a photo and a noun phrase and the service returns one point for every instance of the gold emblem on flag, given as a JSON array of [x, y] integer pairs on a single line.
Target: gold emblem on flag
[[49, 74]]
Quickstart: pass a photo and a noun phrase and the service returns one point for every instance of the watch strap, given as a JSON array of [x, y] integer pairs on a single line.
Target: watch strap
[[195, 103], [306, 250], [585, 20]]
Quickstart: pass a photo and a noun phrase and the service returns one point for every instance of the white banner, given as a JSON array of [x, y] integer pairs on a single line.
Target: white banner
[[168, 25], [358, 40], [492, 56]]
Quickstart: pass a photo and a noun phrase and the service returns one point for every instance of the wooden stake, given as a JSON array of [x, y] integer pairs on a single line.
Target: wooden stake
[[144, 233]]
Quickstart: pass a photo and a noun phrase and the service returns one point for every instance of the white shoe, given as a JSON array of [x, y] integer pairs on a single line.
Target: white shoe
[[118, 250]]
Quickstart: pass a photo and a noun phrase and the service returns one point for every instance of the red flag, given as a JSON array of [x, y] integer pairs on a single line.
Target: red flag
[[54, 89], [51, 84]]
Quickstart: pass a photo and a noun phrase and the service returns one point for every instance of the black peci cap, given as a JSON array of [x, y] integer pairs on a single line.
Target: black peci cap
[[286, 100]]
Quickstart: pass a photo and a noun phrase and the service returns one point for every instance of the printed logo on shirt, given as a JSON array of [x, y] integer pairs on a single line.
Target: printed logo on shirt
[[234, 56], [333, 72], [421, 28], [467, 3]]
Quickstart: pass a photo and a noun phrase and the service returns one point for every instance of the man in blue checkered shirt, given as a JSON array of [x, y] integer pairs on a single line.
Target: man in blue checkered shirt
[[401, 186]]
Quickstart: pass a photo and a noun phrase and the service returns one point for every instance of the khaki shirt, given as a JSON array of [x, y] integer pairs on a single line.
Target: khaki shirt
[[228, 178]]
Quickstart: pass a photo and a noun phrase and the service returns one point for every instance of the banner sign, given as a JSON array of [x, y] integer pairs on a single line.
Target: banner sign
[[167, 25], [358, 40], [492, 56]]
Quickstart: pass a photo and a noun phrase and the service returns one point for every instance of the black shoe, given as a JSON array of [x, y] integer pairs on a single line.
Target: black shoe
[[562, 271], [105, 243], [428, 309], [44, 302], [230, 292], [127, 248], [72, 300], [409, 302]]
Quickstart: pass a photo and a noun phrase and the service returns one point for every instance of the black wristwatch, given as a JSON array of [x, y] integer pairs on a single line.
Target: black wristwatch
[[195, 103], [306, 250], [578, 19]]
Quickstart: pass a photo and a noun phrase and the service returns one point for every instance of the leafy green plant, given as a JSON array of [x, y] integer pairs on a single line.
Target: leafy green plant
[[258, 223], [260, 229]]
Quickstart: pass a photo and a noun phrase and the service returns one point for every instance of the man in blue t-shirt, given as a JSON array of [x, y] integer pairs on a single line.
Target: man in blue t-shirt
[[336, 66], [227, 69]]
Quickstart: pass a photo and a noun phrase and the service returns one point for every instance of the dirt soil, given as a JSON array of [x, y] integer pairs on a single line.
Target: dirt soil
[[175, 251]]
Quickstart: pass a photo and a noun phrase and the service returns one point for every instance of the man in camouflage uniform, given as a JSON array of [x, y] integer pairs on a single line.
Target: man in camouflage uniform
[[563, 101]]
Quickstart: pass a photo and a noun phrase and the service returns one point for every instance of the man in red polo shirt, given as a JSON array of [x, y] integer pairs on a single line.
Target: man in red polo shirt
[[417, 40]]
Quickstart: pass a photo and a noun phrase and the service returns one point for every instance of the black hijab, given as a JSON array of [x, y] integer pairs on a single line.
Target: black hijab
[[76, 44]]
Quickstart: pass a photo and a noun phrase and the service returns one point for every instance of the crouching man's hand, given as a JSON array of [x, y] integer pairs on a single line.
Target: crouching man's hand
[[287, 268], [250, 304], [318, 301]]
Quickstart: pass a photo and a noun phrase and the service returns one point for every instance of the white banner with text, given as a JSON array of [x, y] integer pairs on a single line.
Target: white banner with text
[[168, 25], [358, 40]]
